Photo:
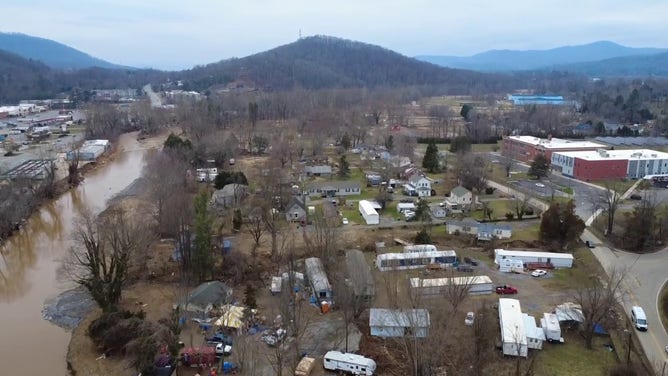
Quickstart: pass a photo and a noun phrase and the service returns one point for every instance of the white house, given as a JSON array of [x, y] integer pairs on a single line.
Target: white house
[[428, 287], [388, 323], [334, 188], [461, 196], [420, 185], [513, 336]]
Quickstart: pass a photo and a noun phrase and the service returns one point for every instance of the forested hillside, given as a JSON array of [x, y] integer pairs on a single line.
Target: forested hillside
[[22, 78], [328, 62]]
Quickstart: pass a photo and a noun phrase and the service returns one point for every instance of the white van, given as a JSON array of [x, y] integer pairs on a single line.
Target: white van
[[351, 363], [638, 317]]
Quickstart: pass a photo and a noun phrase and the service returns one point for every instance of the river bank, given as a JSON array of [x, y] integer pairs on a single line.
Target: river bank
[[32, 257]]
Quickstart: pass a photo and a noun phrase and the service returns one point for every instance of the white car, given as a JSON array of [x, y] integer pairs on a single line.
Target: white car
[[226, 350], [470, 318], [540, 185], [345, 221], [538, 273]]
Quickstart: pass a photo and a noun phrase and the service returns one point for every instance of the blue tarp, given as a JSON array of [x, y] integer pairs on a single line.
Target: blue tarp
[[598, 329]]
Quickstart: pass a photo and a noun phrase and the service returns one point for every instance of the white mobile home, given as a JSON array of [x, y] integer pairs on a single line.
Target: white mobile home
[[414, 260], [551, 328], [388, 323], [403, 206], [535, 335], [318, 279], [420, 248], [477, 285], [369, 214], [559, 260], [352, 363], [513, 337]]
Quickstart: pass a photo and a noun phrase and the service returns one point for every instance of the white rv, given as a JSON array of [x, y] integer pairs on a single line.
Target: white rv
[[550, 324], [351, 363]]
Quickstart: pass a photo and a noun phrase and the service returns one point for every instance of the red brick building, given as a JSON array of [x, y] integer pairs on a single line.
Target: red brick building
[[526, 148], [610, 164]]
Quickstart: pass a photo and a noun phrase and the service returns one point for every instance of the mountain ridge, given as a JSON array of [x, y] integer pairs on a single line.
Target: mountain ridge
[[52, 53], [514, 60]]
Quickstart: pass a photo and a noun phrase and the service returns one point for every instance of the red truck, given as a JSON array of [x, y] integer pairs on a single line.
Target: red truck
[[199, 356], [506, 290]]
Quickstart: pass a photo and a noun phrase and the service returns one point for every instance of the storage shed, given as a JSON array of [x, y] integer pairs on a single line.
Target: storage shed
[[429, 287], [359, 274], [558, 260], [317, 278], [369, 214], [513, 336], [387, 323]]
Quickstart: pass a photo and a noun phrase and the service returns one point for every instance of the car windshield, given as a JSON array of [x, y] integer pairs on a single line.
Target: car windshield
[[642, 322]]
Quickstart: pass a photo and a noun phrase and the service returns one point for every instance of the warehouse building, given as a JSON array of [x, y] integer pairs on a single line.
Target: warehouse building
[[526, 148], [611, 164]]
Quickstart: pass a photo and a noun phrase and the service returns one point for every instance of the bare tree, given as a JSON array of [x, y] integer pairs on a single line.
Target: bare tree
[[521, 205], [73, 178], [609, 202], [255, 226], [508, 163], [597, 298], [99, 260], [167, 182], [324, 238]]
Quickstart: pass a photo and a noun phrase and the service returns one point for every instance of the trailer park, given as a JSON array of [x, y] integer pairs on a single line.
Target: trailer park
[[386, 295]]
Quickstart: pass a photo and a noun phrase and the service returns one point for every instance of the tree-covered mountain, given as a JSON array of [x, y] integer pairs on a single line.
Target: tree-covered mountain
[[511, 60], [327, 62], [21, 78], [628, 66], [55, 55]]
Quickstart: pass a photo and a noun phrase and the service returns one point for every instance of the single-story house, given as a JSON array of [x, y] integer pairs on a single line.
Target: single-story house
[[388, 323], [334, 188], [318, 170], [296, 209], [373, 179], [207, 295], [483, 231], [438, 212], [229, 195]]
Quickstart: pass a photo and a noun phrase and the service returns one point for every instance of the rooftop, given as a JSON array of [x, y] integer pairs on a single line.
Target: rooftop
[[596, 155], [399, 318], [556, 143]]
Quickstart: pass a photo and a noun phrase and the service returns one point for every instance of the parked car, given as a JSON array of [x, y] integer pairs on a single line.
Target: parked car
[[345, 221], [506, 290], [465, 268], [471, 261], [589, 244], [540, 185], [219, 337], [538, 273], [470, 318], [635, 196], [223, 350]]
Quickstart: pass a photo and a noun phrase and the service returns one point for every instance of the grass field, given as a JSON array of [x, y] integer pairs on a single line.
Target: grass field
[[528, 234], [573, 359]]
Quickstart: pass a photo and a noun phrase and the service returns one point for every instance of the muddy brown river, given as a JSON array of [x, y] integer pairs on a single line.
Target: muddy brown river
[[30, 261]]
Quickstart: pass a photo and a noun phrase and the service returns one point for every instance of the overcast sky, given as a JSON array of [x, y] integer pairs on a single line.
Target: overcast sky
[[175, 34]]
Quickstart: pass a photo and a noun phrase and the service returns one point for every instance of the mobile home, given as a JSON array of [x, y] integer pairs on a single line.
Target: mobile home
[[352, 363], [428, 287], [318, 279], [396, 323], [558, 260], [415, 260], [369, 214], [535, 335], [513, 337], [420, 248]]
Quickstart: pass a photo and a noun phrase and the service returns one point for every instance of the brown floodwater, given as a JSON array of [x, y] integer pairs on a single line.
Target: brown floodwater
[[30, 261]]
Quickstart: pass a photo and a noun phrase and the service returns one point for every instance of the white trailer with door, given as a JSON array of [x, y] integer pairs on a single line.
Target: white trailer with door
[[513, 336], [558, 260], [428, 287], [550, 324], [369, 214], [351, 363], [415, 260]]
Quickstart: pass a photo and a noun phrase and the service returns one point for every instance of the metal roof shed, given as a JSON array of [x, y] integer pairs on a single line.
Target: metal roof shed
[[394, 323]]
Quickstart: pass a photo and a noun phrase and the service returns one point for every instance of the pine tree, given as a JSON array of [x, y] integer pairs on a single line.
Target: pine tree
[[344, 167], [561, 225], [430, 160], [540, 167]]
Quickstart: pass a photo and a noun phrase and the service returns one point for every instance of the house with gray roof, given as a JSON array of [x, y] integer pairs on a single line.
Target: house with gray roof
[[296, 209], [482, 231], [318, 170], [392, 323], [230, 195], [334, 188]]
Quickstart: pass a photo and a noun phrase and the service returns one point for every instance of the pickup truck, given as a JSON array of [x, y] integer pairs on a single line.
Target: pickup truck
[[506, 290]]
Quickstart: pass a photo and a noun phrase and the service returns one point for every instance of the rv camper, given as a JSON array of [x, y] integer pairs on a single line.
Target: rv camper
[[351, 363]]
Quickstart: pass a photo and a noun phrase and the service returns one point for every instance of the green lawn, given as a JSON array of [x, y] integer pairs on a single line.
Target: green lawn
[[573, 359], [480, 148], [499, 210], [527, 233]]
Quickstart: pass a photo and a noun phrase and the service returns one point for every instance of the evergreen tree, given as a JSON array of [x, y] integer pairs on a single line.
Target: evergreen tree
[[540, 167], [560, 225], [460, 144], [422, 211], [344, 167], [422, 237], [640, 225], [202, 258], [430, 159], [389, 142], [345, 141], [237, 221]]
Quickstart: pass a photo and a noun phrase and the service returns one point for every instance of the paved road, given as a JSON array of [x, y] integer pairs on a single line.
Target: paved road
[[155, 98]]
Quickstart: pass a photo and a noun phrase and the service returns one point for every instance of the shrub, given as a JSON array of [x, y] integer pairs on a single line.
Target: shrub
[[510, 216], [489, 190], [422, 237]]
